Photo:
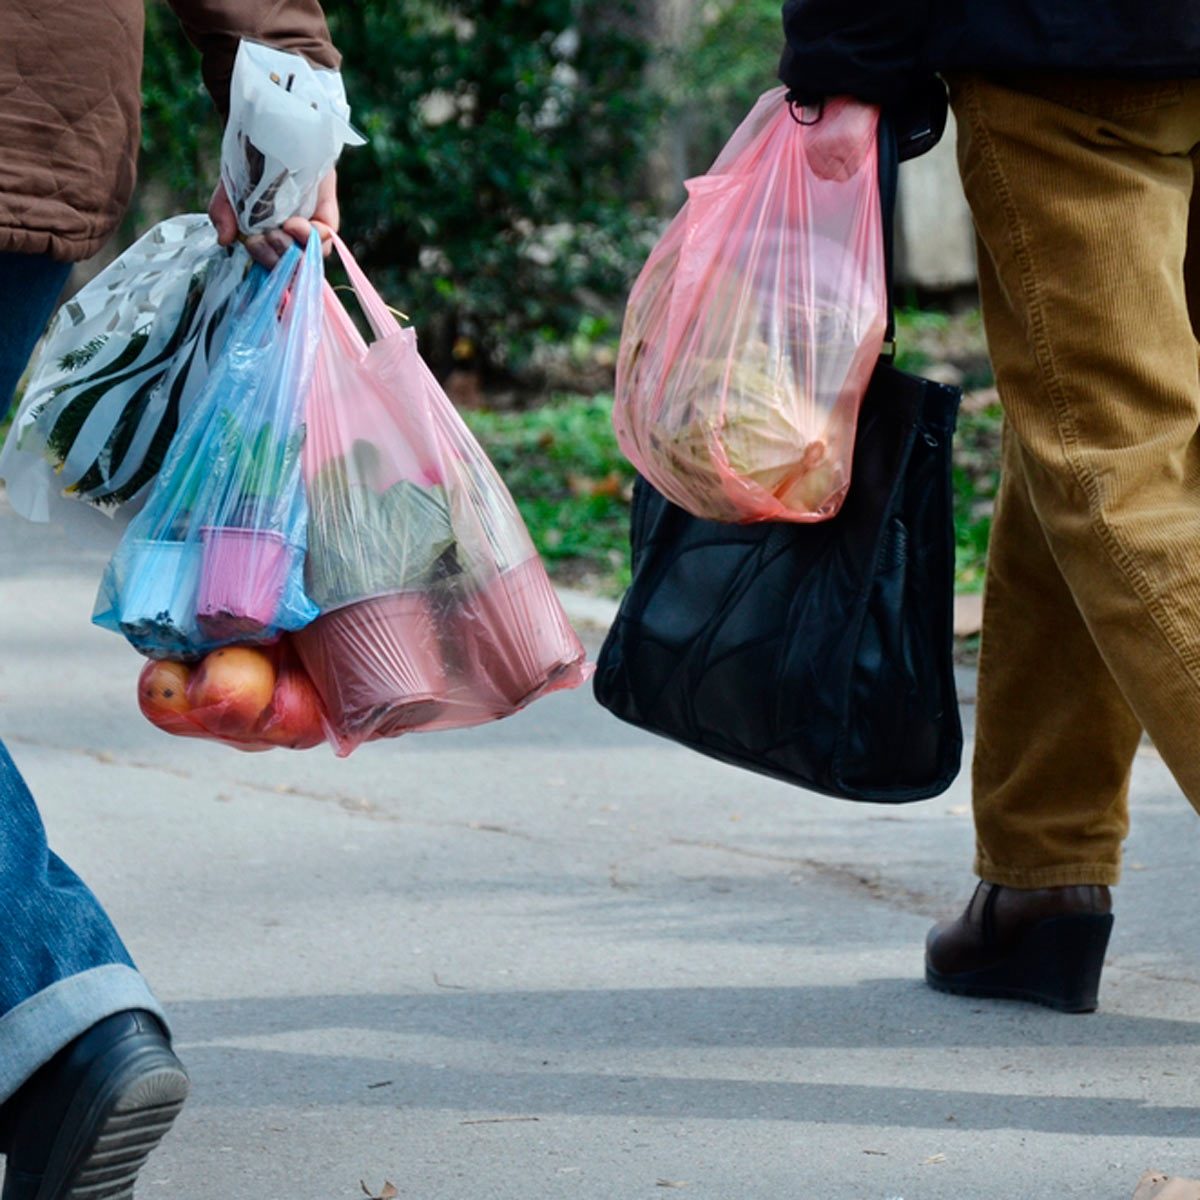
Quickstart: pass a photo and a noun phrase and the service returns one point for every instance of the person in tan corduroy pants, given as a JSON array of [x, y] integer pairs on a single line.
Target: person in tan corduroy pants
[[1085, 198], [1087, 206], [1079, 146]]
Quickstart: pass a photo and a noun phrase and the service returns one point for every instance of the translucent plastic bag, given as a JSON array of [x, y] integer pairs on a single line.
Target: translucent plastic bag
[[249, 697], [216, 556], [121, 364], [436, 611], [752, 330], [288, 122]]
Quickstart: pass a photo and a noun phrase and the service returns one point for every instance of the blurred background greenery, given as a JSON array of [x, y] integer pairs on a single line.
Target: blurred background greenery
[[522, 157]]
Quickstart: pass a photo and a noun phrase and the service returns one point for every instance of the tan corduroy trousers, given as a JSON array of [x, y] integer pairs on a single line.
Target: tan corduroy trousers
[[1087, 208]]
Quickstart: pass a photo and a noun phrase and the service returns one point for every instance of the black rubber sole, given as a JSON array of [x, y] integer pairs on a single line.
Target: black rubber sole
[[1057, 965], [111, 1130]]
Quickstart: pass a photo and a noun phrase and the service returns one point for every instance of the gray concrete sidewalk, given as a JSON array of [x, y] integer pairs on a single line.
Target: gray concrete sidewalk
[[558, 958]]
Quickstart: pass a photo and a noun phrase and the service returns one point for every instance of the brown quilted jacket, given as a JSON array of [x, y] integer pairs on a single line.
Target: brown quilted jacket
[[70, 99]]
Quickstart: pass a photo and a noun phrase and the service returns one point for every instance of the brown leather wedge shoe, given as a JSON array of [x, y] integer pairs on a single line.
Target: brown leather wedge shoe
[[1044, 945]]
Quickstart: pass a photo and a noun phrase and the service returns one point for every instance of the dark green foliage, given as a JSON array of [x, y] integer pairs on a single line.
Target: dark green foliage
[[181, 133], [730, 59], [497, 199]]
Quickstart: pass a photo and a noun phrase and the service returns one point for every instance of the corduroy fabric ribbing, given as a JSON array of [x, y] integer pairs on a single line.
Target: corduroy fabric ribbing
[[1081, 192]]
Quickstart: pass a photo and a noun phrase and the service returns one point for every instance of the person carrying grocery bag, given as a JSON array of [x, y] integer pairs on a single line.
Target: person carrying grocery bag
[[84, 1046]]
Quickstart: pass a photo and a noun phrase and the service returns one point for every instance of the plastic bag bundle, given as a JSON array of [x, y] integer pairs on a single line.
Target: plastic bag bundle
[[125, 358], [250, 697], [120, 365], [436, 611], [752, 329], [288, 122], [216, 555]]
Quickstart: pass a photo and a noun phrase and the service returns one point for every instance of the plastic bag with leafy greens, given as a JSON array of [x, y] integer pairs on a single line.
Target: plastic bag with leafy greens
[[436, 612]]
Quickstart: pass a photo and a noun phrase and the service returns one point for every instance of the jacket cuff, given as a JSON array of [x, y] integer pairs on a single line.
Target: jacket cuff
[[215, 27]]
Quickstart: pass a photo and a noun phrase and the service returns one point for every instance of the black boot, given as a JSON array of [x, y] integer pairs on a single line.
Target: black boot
[[1045, 945], [85, 1123]]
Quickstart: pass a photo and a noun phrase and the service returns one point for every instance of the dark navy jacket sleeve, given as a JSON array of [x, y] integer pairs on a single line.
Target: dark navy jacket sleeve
[[872, 50]]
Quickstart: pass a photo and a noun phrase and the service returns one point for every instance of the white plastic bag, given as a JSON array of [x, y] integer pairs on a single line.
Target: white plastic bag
[[288, 122], [118, 368]]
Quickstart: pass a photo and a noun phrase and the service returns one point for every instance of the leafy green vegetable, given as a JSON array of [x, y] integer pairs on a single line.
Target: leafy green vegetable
[[363, 541]]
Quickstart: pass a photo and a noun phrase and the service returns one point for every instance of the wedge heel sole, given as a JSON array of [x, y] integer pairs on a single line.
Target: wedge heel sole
[[1057, 965]]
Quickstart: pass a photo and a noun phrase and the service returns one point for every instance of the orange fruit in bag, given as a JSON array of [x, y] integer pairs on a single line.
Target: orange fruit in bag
[[233, 686]]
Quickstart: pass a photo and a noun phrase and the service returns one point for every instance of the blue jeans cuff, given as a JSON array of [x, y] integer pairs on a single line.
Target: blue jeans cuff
[[38, 1028]]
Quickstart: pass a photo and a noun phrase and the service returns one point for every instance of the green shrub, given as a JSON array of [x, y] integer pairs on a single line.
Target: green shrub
[[497, 199]]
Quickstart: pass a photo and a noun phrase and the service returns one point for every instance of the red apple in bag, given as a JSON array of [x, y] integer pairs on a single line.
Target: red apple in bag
[[294, 718]]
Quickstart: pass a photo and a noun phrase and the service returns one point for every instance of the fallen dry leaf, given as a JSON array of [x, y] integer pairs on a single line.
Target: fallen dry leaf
[[1154, 1185], [585, 486], [933, 1159], [389, 1191]]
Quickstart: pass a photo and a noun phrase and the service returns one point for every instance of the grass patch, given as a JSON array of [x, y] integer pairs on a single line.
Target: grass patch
[[976, 478], [570, 481]]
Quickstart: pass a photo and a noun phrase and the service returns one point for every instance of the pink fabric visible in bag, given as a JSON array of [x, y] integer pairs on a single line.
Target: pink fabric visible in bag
[[436, 612], [753, 328]]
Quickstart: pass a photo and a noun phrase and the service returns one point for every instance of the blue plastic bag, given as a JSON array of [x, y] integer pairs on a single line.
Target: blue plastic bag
[[216, 557]]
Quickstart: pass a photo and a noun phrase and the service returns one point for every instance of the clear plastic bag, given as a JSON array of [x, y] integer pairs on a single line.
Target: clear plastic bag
[[216, 556], [120, 366], [752, 329], [436, 611]]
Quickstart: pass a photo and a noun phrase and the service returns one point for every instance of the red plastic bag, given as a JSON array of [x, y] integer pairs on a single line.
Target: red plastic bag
[[752, 330], [250, 697], [436, 612]]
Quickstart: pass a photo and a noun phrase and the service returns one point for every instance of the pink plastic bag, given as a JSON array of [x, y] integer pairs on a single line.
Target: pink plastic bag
[[436, 611], [752, 330]]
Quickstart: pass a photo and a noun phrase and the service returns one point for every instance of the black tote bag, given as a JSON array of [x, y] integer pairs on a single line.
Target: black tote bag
[[819, 654]]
